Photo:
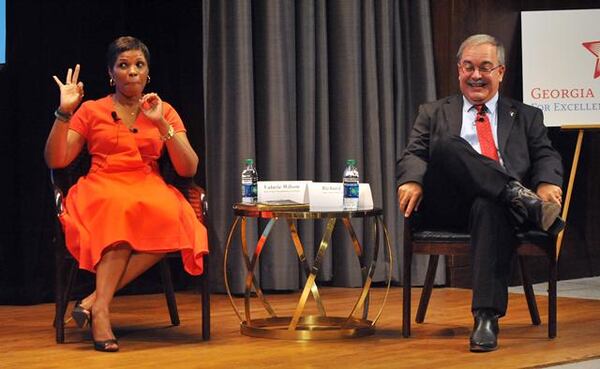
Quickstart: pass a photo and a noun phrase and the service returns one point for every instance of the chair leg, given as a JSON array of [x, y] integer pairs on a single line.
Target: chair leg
[[59, 308], [406, 289], [165, 272], [205, 285], [71, 278], [553, 275], [529, 294], [427, 288], [62, 291]]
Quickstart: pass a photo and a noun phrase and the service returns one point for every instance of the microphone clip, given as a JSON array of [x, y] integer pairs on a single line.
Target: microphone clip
[[116, 119]]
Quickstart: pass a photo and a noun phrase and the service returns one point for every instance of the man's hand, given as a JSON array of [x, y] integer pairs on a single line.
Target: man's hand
[[549, 192], [409, 197]]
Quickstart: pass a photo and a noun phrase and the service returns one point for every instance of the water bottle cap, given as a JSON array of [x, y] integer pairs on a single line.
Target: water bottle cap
[[249, 161], [350, 162]]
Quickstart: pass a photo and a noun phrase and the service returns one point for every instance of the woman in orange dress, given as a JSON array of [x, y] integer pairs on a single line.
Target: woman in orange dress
[[121, 218]]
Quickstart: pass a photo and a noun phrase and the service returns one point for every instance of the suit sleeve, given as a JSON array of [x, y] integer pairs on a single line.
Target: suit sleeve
[[546, 163], [412, 165]]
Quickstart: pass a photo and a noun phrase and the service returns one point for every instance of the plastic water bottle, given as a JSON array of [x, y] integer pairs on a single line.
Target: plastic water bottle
[[249, 179], [350, 185]]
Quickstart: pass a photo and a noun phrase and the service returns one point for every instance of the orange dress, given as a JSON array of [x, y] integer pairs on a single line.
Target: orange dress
[[123, 198]]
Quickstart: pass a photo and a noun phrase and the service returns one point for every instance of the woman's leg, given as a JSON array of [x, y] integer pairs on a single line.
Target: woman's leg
[[109, 272], [138, 264]]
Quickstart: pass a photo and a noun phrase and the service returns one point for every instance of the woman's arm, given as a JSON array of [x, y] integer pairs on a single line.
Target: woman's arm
[[183, 156], [63, 145]]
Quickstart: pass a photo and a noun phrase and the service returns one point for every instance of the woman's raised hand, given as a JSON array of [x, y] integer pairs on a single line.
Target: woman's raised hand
[[71, 92], [151, 106]]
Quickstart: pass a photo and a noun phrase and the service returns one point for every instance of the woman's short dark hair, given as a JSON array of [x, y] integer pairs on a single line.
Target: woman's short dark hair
[[122, 44]]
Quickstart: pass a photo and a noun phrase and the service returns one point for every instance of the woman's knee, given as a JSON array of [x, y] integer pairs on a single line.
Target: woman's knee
[[117, 250]]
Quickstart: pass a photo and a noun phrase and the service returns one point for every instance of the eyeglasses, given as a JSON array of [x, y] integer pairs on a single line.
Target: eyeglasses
[[469, 68]]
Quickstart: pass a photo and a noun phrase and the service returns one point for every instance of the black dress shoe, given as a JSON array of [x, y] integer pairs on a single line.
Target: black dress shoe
[[526, 205], [484, 337]]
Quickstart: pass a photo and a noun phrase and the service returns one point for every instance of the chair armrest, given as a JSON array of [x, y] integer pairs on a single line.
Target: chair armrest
[[61, 179], [58, 200], [196, 195], [58, 193]]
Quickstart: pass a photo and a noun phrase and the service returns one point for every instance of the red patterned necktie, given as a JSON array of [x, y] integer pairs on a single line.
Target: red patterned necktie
[[484, 133]]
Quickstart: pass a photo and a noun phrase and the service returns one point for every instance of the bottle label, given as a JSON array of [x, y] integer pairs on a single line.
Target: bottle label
[[249, 190], [351, 190]]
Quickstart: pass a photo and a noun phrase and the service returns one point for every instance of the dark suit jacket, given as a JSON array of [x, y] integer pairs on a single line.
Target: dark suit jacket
[[526, 151]]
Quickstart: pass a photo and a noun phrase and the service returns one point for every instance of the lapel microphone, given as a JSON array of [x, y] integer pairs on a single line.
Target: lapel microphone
[[480, 117], [116, 119], [480, 113]]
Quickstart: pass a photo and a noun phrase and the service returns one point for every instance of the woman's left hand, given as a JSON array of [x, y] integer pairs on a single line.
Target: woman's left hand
[[151, 106]]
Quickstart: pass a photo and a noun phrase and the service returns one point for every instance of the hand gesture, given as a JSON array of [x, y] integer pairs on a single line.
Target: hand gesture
[[71, 92], [410, 195], [151, 106]]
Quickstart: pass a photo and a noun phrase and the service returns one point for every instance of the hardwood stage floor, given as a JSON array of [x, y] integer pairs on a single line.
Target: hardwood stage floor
[[148, 341]]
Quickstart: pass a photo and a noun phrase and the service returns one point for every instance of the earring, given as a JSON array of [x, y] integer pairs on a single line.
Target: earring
[[111, 82], [148, 79]]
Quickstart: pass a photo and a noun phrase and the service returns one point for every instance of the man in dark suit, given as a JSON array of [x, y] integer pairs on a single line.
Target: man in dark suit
[[469, 158]]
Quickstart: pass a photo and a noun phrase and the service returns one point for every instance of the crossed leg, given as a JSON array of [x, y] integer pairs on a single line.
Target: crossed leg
[[138, 264], [117, 267]]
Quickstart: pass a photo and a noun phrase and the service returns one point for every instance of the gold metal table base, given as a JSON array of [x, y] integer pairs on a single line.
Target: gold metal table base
[[299, 326], [310, 327]]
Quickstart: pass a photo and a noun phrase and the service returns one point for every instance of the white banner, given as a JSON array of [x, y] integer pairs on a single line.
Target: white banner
[[561, 70]]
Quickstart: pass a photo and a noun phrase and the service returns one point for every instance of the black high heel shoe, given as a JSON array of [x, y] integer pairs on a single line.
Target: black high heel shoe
[[81, 315], [105, 346]]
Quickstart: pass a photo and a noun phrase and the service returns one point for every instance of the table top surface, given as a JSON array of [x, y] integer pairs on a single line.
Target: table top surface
[[300, 211]]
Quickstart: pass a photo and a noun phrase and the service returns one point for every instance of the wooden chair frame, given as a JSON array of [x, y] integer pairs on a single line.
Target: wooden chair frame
[[66, 267], [436, 243]]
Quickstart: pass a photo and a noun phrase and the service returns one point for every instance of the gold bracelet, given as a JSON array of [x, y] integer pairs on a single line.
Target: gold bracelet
[[169, 135]]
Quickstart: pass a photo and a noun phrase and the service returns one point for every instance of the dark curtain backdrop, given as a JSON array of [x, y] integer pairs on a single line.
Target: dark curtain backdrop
[[300, 86], [45, 38]]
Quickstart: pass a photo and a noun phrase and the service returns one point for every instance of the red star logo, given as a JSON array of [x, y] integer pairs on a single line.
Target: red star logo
[[594, 48]]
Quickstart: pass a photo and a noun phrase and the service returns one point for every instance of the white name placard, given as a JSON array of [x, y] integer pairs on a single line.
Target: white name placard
[[365, 197], [330, 195], [269, 191], [326, 195]]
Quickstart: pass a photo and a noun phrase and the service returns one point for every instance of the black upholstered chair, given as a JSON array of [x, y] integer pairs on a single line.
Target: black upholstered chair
[[436, 243], [66, 267]]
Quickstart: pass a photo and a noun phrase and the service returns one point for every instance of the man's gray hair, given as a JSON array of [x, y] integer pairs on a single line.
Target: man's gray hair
[[481, 39]]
